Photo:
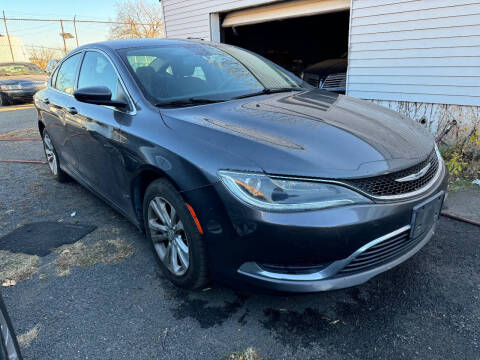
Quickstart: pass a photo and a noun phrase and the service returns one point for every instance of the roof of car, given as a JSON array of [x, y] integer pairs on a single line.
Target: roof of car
[[130, 43]]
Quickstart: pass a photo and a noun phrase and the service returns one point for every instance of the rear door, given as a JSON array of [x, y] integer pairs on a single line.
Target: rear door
[[95, 130], [57, 102]]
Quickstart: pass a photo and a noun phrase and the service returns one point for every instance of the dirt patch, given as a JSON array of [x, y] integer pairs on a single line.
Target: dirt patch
[[80, 254], [16, 267], [249, 354], [29, 132], [38, 189], [25, 339]]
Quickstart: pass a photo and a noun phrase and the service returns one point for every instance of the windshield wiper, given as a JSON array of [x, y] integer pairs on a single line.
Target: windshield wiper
[[189, 101], [269, 91]]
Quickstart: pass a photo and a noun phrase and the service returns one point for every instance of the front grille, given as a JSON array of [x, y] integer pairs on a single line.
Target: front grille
[[380, 253], [385, 185], [338, 80]]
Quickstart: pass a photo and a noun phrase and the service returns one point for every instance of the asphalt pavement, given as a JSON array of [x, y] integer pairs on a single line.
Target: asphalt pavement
[[104, 297]]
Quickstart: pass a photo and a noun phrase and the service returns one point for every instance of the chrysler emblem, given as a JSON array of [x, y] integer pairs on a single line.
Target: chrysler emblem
[[415, 176]]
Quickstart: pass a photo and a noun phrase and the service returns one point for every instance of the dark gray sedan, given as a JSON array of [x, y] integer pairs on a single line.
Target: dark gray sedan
[[9, 349], [237, 170]]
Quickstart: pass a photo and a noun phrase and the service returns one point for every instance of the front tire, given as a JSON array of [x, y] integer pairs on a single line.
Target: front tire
[[52, 158], [3, 100], [175, 238]]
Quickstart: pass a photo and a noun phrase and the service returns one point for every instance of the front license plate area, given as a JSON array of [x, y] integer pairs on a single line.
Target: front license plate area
[[426, 214]]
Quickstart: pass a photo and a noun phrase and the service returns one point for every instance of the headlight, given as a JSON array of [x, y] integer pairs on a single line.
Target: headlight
[[280, 194], [10, 87]]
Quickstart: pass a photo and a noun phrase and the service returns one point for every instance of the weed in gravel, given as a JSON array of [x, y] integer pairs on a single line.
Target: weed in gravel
[[16, 267], [83, 255]]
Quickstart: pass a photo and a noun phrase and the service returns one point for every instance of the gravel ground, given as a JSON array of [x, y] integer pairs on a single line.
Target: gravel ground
[[117, 305]]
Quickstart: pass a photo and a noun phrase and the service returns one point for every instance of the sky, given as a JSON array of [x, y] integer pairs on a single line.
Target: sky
[[47, 34]]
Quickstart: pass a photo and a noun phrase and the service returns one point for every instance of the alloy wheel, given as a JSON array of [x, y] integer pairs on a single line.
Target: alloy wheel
[[168, 236], [50, 154]]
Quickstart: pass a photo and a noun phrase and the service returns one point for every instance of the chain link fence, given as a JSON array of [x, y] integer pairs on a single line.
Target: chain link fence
[[44, 41]]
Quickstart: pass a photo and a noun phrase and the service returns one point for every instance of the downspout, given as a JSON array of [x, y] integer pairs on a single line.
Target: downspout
[[348, 48], [164, 22]]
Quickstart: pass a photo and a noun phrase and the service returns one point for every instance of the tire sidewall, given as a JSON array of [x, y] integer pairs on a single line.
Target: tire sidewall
[[196, 274], [60, 176]]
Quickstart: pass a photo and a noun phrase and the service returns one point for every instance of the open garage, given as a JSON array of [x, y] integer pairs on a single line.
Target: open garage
[[293, 35]]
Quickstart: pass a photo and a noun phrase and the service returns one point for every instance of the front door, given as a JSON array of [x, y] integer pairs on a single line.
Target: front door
[[96, 134]]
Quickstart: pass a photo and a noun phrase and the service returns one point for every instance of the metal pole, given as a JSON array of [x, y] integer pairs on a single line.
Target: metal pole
[[8, 36], [63, 37], [75, 27]]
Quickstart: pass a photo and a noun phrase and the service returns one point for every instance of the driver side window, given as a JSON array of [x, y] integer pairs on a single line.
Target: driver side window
[[97, 70]]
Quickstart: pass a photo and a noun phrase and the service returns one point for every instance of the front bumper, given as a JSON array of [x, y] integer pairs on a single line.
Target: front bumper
[[242, 240], [313, 282], [21, 94]]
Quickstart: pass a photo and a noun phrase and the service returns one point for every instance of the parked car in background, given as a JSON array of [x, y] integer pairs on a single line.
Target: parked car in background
[[19, 81], [51, 65], [239, 171], [9, 349], [329, 74]]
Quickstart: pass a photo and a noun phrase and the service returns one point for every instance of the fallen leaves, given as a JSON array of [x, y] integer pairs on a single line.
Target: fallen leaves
[[16, 267], [83, 255], [25, 339]]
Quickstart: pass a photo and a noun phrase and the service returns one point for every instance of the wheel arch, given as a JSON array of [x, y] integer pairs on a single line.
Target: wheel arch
[[139, 184], [41, 126]]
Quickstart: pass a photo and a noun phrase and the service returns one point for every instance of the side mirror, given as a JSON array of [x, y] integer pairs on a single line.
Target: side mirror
[[99, 95]]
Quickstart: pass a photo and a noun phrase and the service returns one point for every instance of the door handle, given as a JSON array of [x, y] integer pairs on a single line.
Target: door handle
[[72, 110]]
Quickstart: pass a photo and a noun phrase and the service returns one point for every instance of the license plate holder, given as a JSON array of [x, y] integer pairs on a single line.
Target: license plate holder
[[426, 214]]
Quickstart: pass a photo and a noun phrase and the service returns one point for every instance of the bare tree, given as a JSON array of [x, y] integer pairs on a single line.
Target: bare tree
[[142, 20], [40, 56]]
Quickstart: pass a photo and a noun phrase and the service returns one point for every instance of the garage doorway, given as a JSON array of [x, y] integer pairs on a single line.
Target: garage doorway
[[293, 43]]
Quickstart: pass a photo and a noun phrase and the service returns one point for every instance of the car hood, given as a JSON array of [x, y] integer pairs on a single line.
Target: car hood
[[312, 133], [16, 78]]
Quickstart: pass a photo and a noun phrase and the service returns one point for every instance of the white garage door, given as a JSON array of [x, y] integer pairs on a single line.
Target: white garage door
[[284, 10]]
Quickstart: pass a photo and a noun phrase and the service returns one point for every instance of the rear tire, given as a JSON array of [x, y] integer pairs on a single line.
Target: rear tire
[[52, 158], [175, 238]]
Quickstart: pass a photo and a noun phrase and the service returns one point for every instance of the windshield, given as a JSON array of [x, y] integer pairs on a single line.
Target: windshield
[[13, 69], [168, 74]]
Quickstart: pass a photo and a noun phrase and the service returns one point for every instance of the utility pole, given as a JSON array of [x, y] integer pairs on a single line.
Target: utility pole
[[8, 36], [75, 27], [63, 37]]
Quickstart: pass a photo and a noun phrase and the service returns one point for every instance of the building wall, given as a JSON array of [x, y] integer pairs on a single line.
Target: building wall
[[17, 47], [438, 117], [191, 18], [422, 51]]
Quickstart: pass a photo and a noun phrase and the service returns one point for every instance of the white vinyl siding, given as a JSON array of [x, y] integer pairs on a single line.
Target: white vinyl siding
[[415, 50], [191, 18]]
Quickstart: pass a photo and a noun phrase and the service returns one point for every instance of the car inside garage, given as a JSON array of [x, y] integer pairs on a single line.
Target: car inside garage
[[295, 35]]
